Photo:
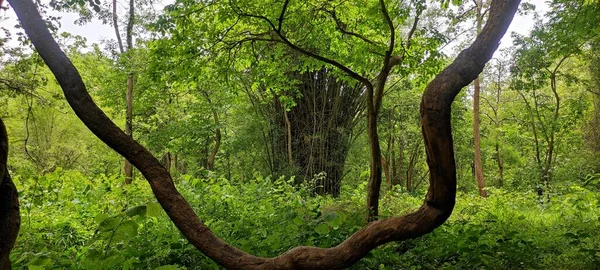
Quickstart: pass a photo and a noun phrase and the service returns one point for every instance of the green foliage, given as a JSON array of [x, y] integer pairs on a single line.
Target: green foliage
[[72, 221], [206, 58]]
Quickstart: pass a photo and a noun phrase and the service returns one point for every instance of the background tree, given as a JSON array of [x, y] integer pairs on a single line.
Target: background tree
[[540, 63], [479, 177]]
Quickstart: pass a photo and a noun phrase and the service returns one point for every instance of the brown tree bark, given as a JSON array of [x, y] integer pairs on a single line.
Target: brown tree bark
[[167, 161], [10, 218], [215, 150], [435, 119], [479, 177], [127, 167], [210, 159], [288, 136]]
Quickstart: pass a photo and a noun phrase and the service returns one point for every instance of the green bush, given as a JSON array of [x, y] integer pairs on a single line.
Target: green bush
[[71, 221]]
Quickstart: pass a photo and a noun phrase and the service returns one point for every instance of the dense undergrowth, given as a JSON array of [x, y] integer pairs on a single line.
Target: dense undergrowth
[[73, 221]]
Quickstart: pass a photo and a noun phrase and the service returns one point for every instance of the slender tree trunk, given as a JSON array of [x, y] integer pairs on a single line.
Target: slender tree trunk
[[10, 218], [288, 136], [175, 162], [386, 171], [129, 126], [476, 136], [500, 163], [167, 161], [410, 170], [498, 124], [115, 20], [215, 150], [477, 142], [374, 185], [400, 161], [127, 167]]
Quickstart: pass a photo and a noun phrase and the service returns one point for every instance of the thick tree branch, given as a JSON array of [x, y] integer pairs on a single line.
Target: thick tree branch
[[435, 115]]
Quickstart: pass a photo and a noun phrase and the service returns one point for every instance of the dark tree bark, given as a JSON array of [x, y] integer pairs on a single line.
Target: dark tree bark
[[435, 119], [10, 219]]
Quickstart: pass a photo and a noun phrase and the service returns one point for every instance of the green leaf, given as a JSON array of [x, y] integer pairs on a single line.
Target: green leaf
[[322, 229], [108, 224], [137, 211], [40, 262], [100, 217], [128, 228], [298, 221], [153, 209]]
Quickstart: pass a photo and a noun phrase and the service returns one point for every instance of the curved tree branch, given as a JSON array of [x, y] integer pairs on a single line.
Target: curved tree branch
[[435, 118]]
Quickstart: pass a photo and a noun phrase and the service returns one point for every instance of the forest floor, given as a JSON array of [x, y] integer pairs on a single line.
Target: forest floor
[[72, 221]]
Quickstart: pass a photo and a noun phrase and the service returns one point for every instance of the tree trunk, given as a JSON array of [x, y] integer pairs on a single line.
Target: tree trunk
[[115, 20], [477, 142], [500, 163], [175, 162], [215, 150], [10, 218], [288, 136], [127, 167], [435, 120], [410, 170], [476, 136], [167, 161], [374, 185], [129, 126], [386, 170]]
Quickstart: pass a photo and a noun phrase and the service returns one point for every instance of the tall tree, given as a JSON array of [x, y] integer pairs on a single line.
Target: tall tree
[[435, 119], [127, 167], [498, 73], [479, 177], [539, 63]]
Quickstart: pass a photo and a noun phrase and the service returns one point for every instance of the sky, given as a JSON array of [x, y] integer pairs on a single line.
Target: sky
[[96, 31]]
